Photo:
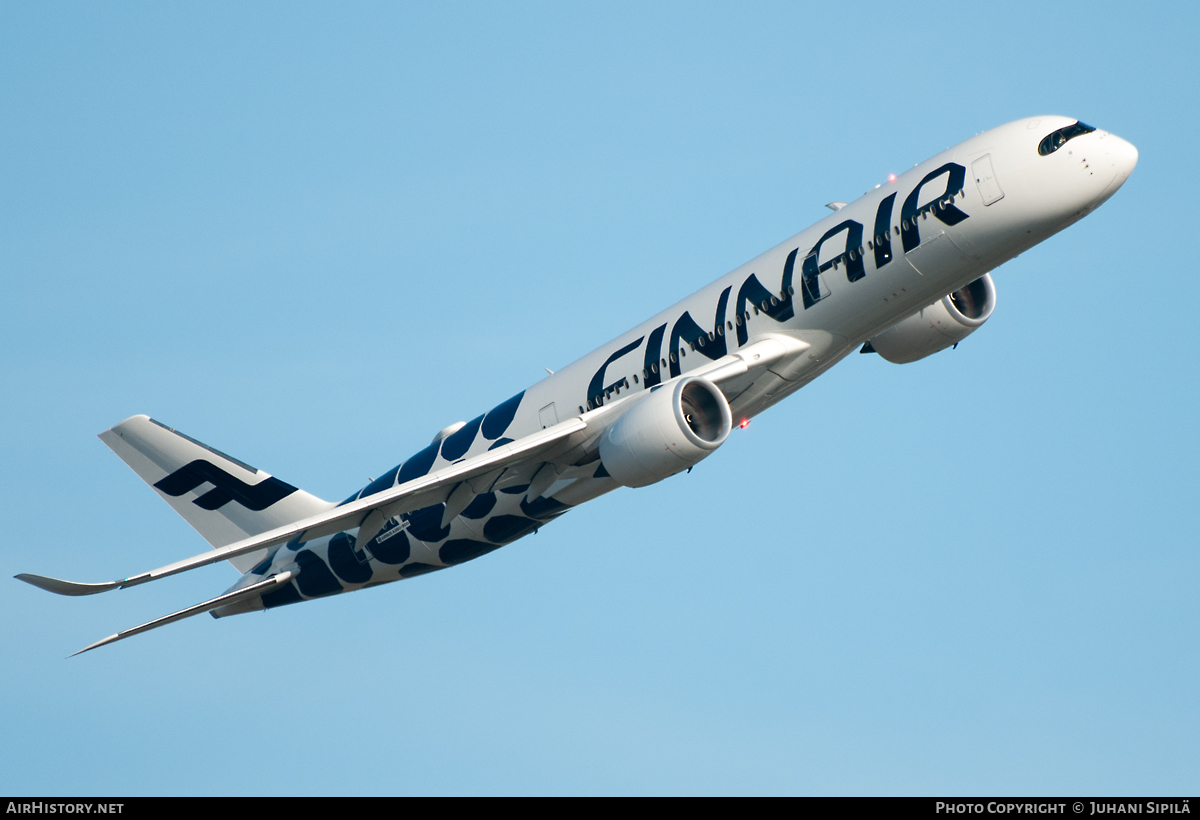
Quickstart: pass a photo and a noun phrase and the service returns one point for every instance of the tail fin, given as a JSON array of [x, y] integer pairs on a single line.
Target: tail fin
[[226, 500]]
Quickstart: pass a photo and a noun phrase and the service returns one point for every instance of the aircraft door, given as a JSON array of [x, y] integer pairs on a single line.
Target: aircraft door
[[548, 416], [985, 180], [812, 280]]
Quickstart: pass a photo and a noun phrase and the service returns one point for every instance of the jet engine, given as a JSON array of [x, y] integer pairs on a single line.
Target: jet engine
[[668, 430], [946, 322]]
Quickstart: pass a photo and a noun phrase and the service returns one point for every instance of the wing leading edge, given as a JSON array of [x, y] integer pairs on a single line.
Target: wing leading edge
[[372, 511], [454, 485]]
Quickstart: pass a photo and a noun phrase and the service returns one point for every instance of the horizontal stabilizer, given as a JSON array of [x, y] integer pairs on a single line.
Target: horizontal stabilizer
[[221, 600]]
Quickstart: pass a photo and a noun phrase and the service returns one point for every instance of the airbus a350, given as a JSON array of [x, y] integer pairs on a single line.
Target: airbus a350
[[902, 272]]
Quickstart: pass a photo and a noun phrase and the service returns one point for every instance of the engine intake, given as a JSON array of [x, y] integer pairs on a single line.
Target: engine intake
[[665, 432], [946, 322]]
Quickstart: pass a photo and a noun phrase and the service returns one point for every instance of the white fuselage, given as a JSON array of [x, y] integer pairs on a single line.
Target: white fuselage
[[829, 288]]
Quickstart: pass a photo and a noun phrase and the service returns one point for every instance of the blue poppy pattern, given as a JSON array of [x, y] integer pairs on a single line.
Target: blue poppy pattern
[[416, 543]]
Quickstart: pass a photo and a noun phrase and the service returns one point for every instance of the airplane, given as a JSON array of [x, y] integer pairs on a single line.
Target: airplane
[[903, 272]]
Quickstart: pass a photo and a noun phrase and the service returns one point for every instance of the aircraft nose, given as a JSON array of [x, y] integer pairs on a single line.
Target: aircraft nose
[[1124, 156], [1121, 156]]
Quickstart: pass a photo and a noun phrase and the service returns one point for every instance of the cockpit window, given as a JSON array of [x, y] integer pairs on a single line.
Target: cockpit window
[[1059, 138]]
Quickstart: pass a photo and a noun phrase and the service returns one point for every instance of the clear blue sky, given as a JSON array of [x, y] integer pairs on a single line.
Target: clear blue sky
[[313, 235]]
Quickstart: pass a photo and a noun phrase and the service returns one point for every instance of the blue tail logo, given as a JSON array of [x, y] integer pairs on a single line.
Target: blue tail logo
[[226, 488]]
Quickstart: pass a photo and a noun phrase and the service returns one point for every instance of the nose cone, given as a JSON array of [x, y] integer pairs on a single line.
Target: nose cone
[[1124, 157], [1121, 158]]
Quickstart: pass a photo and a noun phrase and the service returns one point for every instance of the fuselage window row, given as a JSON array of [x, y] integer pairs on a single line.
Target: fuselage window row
[[744, 318]]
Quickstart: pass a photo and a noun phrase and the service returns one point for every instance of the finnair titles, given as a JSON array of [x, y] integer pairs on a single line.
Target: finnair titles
[[902, 272]]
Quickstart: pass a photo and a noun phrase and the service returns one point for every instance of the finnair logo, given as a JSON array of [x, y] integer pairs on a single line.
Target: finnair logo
[[226, 488], [846, 237]]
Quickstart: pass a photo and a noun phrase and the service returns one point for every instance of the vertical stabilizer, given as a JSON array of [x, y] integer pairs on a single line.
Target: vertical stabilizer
[[225, 499]]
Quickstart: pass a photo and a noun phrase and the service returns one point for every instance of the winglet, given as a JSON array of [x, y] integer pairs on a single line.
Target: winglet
[[61, 587]]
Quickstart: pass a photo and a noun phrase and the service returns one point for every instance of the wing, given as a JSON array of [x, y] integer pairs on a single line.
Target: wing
[[368, 512], [763, 353], [221, 600]]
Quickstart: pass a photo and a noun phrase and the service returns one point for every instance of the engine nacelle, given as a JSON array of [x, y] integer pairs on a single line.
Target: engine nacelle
[[946, 322], [665, 432]]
